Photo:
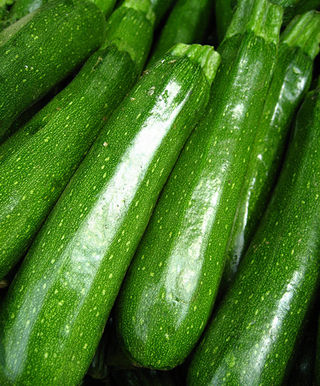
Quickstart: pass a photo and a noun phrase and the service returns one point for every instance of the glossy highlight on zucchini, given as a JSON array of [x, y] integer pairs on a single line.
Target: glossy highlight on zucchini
[[299, 45], [57, 306], [37, 162], [171, 285], [252, 336]]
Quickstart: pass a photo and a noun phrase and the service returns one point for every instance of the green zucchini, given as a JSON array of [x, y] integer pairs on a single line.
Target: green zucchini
[[55, 310], [21, 8], [187, 23], [43, 48], [65, 129], [224, 10], [303, 366], [299, 8], [160, 7], [253, 334], [291, 80], [285, 3], [106, 6], [167, 296]]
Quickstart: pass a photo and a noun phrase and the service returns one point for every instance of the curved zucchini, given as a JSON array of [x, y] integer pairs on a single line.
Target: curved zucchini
[[187, 23], [170, 288], [253, 334], [55, 310], [291, 80], [64, 130], [41, 49]]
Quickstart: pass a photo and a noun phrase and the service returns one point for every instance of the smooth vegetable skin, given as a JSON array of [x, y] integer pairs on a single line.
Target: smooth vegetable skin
[[253, 334], [160, 8], [57, 306], [299, 8], [291, 80], [21, 8], [38, 161], [224, 10], [187, 23], [169, 292], [41, 49], [303, 366]]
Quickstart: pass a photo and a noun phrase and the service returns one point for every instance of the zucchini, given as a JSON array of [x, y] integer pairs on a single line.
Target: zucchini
[[224, 10], [21, 8], [166, 298], [160, 7], [303, 367], [56, 308], [65, 129], [291, 80], [41, 49], [187, 23], [299, 8], [253, 334]]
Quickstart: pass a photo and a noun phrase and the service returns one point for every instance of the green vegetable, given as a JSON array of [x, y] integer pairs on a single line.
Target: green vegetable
[[160, 8], [43, 48], [21, 8], [253, 334], [106, 6], [54, 313], [291, 80], [299, 8], [37, 162], [303, 365], [170, 288], [224, 10], [187, 23]]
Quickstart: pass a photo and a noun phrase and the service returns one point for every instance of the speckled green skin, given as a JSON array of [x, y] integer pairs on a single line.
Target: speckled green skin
[[20, 8], [38, 161], [291, 80], [168, 294], [54, 314], [253, 334], [187, 23], [53, 41]]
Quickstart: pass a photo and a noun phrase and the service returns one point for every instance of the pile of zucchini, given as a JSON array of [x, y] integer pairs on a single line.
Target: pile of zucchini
[[159, 192]]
